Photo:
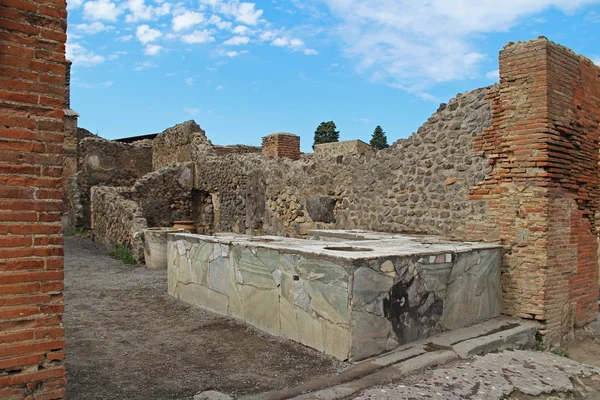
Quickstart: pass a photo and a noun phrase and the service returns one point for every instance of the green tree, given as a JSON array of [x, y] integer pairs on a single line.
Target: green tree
[[326, 133], [379, 140]]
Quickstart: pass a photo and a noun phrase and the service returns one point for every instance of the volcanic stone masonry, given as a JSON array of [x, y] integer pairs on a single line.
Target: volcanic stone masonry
[[514, 163]]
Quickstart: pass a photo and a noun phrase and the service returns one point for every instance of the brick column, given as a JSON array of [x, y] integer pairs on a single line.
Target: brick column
[[281, 145], [543, 191], [32, 98]]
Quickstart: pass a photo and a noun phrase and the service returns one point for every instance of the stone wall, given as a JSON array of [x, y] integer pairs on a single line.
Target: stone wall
[[173, 144], [118, 214], [346, 147], [104, 162], [420, 184], [32, 101], [543, 190]]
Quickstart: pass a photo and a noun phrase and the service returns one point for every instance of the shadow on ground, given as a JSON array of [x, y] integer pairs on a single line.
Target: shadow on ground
[[127, 339]]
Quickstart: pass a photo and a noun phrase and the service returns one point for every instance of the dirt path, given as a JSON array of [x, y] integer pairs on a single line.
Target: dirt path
[[127, 339]]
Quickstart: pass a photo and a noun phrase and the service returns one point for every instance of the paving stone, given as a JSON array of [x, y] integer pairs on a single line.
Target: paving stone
[[254, 271], [368, 286], [261, 308], [203, 297]]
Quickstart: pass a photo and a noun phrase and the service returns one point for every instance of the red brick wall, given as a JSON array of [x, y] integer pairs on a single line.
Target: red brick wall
[[32, 79], [281, 145], [543, 191]]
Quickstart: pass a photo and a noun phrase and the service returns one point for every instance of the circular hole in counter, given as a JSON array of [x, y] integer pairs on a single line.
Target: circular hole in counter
[[348, 248]]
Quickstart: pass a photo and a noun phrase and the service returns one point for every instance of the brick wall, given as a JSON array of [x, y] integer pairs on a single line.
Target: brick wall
[[281, 145], [542, 192], [32, 95]]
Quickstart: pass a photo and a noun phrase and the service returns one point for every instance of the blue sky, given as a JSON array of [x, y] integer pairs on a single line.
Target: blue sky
[[243, 70]]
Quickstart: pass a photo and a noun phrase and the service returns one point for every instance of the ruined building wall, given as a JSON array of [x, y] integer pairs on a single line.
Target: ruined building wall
[[418, 185], [32, 78], [104, 163], [543, 190], [118, 214], [173, 144]]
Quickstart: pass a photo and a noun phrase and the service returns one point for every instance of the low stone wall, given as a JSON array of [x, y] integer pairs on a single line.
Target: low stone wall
[[117, 219], [346, 147], [327, 296], [159, 198]]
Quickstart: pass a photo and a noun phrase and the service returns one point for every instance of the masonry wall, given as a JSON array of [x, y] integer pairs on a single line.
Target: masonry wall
[[32, 82], [173, 144], [542, 192], [419, 185], [346, 147], [118, 214], [104, 162]]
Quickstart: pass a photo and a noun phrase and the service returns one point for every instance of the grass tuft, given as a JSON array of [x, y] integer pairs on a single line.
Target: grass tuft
[[122, 253]]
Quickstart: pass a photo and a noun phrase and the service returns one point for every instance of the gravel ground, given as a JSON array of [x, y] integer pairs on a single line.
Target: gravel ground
[[128, 339]]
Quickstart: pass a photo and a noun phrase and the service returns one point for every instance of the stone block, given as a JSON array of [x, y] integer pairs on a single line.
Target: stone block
[[219, 275], [369, 335], [483, 299], [320, 209], [203, 297], [254, 272], [310, 331], [336, 340], [288, 320], [261, 308], [329, 301], [368, 286]]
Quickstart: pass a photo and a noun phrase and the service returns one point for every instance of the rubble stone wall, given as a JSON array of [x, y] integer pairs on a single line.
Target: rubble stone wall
[[173, 144], [105, 163], [119, 214], [419, 185], [346, 147]]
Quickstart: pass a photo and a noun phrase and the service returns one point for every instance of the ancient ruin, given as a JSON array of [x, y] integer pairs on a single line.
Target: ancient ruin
[[490, 208], [513, 165]]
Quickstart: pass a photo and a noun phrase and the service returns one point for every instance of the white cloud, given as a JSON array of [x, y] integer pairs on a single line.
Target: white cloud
[[247, 14], [293, 44], [116, 55], [494, 74], [244, 12], [187, 20], [141, 12], [219, 23], [153, 49], [596, 60], [267, 35], [73, 4], [191, 110], [145, 34], [125, 38], [219, 87], [190, 81], [413, 45], [237, 40], [241, 30], [203, 36], [79, 55], [101, 10], [94, 27], [232, 54], [105, 84], [140, 66]]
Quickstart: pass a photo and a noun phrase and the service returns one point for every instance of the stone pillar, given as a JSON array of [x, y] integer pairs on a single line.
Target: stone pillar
[[281, 145], [543, 191]]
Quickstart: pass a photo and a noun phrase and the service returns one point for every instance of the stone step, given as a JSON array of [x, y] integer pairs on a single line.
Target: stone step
[[498, 334]]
